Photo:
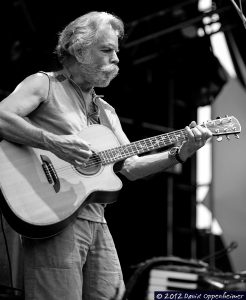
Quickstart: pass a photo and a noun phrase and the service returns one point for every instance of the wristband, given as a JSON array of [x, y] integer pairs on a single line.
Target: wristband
[[174, 154]]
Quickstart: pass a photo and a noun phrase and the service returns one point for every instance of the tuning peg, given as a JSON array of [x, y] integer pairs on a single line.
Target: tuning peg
[[219, 139], [227, 136], [237, 136]]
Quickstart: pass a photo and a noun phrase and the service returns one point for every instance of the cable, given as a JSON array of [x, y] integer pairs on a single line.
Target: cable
[[233, 245], [9, 291], [7, 251], [240, 12]]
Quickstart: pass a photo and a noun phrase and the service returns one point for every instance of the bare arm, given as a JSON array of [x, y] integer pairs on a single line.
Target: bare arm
[[138, 167], [25, 98], [14, 127]]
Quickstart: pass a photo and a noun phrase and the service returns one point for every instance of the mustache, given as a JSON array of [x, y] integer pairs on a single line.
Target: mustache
[[113, 68]]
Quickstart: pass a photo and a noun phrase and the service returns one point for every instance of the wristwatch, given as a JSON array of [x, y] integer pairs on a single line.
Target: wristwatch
[[173, 154]]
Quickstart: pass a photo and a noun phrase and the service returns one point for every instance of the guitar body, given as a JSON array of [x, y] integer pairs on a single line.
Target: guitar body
[[37, 208]]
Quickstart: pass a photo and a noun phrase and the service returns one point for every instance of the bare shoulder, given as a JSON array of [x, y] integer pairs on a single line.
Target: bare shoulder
[[27, 96], [36, 84]]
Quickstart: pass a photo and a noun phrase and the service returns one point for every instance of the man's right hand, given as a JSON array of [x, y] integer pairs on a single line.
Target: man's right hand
[[70, 148]]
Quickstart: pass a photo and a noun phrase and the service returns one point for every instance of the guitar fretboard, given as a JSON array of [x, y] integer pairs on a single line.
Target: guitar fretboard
[[142, 146]]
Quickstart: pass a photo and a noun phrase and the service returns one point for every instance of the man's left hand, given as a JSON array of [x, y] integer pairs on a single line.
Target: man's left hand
[[197, 138]]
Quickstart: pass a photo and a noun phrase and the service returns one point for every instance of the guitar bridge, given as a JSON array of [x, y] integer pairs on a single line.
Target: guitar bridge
[[50, 172]]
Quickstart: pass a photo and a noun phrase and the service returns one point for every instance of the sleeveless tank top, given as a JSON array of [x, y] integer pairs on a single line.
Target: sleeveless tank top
[[64, 112]]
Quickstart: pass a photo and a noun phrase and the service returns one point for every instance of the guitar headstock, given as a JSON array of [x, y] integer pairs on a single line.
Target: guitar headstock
[[224, 126]]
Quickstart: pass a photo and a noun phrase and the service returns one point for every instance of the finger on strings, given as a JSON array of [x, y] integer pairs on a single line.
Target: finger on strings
[[85, 154], [83, 144], [197, 134], [190, 133], [192, 124]]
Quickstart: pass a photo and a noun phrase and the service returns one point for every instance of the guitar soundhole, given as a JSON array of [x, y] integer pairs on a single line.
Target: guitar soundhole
[[91, 167]]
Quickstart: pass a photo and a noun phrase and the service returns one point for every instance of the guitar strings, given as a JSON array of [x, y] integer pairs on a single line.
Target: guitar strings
[[165, 139], [99, 160], [128, 150], [94, 161]]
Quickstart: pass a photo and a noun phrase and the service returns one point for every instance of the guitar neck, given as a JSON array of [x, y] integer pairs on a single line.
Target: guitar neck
[[142, 146], [218, 127]]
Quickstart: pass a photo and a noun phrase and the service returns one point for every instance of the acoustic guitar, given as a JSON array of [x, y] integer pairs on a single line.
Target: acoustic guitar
[[42, 193]]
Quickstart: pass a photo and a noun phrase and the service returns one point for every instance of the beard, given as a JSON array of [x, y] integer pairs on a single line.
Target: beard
[[99, 76]]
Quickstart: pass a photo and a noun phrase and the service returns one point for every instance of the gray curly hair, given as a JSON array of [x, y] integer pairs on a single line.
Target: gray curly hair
[[82, 32]]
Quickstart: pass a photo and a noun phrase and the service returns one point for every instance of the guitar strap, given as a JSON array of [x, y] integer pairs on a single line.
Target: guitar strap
[[103, 117]]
